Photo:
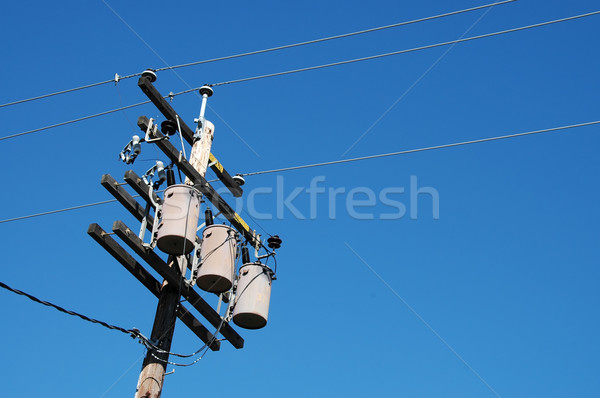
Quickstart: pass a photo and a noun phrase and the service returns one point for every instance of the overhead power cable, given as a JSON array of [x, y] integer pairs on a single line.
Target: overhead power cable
[[284, 169], [446, 43], [502, 137], [304, 43], [46, 213], [57, 93], [360, 32], [313, 68], [58, 211], [132, 332], [72, 121]]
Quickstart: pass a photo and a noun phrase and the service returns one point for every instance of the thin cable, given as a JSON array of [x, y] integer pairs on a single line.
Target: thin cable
[[502, 137], [119, 78], [405, 51], [57, 93], [133, 127], [360, 32], [90, 116], [316, 67], [66, 209], [72, 121], [414, 84], [131, 332], [423, 321], [57, 211], [203, 349], [256, 222]]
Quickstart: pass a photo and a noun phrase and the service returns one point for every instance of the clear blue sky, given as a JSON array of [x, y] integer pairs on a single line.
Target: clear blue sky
[[507, 276]]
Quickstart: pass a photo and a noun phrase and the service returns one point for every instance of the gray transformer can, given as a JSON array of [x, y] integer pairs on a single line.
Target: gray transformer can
[[253, 295], [179, 220], [217, 258]]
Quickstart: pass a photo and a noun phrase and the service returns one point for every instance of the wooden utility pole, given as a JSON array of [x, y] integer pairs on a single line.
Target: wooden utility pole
[[173, 271], [152, 376]]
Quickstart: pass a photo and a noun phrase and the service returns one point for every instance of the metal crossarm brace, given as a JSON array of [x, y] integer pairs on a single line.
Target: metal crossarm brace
[[165, 108], [142, 275]]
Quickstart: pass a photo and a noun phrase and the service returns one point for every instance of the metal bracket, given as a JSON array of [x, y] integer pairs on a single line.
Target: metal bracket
[[195, 263], [157, 216], [257, 247], [144, 222], [151, 132]]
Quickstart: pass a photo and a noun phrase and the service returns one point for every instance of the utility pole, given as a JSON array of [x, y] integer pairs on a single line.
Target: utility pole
[[176, 285], [152, 376]]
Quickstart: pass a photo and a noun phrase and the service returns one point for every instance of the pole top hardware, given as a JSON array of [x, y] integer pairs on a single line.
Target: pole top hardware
[[206, 90], [150, 75], [168, 127], [274, 242], [238, 179]]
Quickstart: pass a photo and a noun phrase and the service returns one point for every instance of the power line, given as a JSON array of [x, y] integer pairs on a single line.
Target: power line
[[135, 333], [405, 51], [313, 68], [304, 43], [132, 332], [58, 211], [497, 138], [502, 137], [360, 32], [72, 121], [56, 93], [67, 209]]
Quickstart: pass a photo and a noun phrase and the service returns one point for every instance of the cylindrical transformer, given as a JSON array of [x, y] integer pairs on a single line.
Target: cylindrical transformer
[[253, 295], [217, 258], [180, 212]]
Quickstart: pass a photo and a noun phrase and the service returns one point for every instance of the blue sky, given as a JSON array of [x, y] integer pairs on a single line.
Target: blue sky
[[495, 297]]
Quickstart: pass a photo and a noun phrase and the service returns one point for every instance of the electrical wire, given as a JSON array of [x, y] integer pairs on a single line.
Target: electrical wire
[[66, 209], [56, 93], [314, 68], [320, 40], [132, 332], [73, 121], [288, 72], [336, 36], [502, 137], [57, 211], [284, 169], [204, 350]]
